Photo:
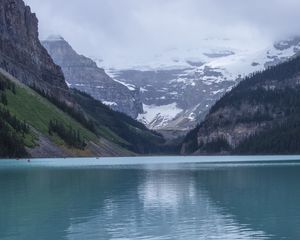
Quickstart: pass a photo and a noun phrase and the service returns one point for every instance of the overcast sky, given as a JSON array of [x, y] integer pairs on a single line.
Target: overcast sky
[[107, 28]]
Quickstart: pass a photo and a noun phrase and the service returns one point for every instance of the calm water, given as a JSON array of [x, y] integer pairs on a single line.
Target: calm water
[[163, 198]]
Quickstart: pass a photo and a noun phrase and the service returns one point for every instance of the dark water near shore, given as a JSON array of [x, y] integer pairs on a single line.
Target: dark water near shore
[[151, 198]]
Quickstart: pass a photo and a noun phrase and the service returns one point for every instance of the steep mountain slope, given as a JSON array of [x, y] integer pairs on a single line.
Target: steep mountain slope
[[36, 112], [173, 99], [188, 83], [83, 74], [40, 115], [261, 115], [107, 133], [21, 53], [124, 130]]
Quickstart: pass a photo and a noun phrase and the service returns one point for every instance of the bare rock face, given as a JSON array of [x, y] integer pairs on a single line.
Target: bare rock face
[[83, 74], [21, 53], [232, 125], [194, 84]]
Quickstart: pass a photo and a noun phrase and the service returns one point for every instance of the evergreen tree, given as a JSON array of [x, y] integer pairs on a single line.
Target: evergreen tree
[[68, 134]]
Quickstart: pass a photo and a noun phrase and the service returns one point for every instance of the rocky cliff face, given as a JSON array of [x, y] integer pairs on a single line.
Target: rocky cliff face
[[83, 74], [175, 99], [21, 53], [24, 59]]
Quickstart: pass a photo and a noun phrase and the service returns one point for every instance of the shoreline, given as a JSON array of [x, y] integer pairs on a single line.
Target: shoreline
[[153, 160]]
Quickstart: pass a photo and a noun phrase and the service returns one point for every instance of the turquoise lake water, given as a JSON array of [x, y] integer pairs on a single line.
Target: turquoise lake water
[[154, 198]]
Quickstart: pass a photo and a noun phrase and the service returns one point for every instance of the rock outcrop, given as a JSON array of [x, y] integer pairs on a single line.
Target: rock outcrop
[[83, 74], [21, 53]]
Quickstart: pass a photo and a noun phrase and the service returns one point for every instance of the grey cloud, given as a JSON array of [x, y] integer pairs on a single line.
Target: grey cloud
[[132, 27]]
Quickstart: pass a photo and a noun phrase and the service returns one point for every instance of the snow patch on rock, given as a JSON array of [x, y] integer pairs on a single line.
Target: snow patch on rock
[[157, 117], [110, 104]]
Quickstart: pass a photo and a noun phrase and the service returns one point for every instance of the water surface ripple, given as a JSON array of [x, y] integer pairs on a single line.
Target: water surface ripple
[[151, 198]]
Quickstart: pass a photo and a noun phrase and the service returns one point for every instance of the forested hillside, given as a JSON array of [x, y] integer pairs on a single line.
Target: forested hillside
[[259, 116]]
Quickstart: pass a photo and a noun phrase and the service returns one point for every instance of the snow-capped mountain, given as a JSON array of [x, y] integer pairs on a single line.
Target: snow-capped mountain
[[179, 87], [83, 73]]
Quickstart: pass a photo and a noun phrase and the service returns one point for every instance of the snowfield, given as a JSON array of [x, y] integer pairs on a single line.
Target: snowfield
[[193, 78], [158, 116], [110, 104]]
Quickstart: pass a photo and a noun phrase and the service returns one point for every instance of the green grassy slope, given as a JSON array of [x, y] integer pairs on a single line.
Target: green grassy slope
[[118, 132], [30, 107], [37, 111]]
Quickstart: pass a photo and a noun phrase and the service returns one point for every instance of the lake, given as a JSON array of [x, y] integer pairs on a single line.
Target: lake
[[156, 198]]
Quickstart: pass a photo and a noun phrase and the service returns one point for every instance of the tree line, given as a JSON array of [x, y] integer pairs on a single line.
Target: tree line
[[76, 114], [138, 138], [70, 136], [245, 90], [282, 138], [6, 84], [19, 126], [279, 103], [11, 144], [12, 130]]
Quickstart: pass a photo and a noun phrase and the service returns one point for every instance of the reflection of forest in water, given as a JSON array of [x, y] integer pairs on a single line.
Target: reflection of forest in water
[[263, 198], [107, 203]]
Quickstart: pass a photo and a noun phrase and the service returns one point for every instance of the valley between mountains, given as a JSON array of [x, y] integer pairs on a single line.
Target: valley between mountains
[[219, 98], [172, 92]]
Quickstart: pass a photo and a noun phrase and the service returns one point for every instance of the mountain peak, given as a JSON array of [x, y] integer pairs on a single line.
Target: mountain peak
[[54, 38]]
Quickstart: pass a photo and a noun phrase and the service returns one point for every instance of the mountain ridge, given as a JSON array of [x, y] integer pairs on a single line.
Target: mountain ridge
[[83, 74], [194, 80]]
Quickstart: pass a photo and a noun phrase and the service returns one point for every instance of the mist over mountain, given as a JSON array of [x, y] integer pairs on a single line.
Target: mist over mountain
[[40, 116], [181, 60], [149, 119], [126, 88], [175, 91], [147, 28], [179, 87]]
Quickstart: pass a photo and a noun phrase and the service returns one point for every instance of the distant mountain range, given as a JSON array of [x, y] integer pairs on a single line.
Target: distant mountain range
[[172, 94], [179, 87], [234, 101]]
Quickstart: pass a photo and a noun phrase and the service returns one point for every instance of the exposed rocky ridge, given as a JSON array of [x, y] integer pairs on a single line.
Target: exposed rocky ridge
[[191, 97], [193, 85], [21, 53], [286, 44], [261, 103], [83, 74]]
